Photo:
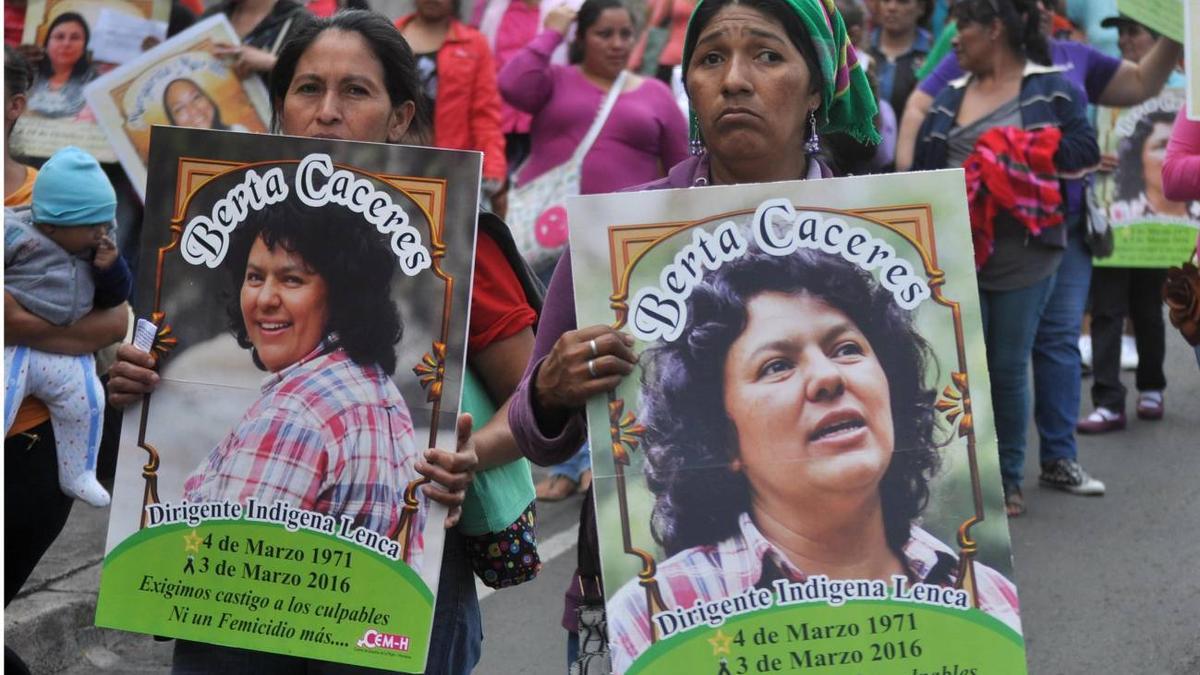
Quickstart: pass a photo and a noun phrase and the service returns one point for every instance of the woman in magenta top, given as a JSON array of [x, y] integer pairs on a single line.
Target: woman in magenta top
[[645, 133]]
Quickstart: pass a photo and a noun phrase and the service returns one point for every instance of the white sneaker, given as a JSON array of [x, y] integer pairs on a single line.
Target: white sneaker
[[1129, 357], [1085, 350]]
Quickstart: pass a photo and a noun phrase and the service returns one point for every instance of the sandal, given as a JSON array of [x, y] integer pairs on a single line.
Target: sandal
[[555, 488], [1014, 501]]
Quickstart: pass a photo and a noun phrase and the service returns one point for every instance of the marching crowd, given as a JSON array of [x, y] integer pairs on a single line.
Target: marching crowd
[[669, 94]]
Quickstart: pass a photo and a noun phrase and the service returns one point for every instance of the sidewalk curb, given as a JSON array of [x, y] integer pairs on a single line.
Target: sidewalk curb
[[51, 626]]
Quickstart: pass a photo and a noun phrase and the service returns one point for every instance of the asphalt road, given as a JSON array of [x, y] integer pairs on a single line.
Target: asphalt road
[[1107, 585]]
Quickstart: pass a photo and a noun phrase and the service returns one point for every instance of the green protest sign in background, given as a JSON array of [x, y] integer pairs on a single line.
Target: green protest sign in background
[[1164, 16], [1149, 231]]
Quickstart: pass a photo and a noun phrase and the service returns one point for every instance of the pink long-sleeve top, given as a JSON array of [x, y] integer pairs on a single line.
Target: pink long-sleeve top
[[644, 136], [1181, 168]]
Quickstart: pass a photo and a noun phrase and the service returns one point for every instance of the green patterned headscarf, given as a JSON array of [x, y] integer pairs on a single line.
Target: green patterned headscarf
[[847, 103]]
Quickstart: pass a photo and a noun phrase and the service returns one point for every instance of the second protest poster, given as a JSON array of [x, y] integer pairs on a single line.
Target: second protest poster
[[802, 472], [311, 301]]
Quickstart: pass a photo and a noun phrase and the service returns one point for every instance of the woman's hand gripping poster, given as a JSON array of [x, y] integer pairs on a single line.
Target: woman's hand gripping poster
[[310, 298], [801, 474]]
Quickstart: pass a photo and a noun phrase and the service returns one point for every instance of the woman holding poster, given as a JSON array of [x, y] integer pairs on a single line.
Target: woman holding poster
[[797, 394], [764, 79], [385, 102]]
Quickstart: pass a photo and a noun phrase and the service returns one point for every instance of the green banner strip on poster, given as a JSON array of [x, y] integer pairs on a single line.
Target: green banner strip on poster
[[859, 638], [1164, 16], [1150, 244], [259, 586]]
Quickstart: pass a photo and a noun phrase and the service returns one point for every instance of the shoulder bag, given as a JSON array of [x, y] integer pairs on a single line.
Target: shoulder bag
[[537, 211]]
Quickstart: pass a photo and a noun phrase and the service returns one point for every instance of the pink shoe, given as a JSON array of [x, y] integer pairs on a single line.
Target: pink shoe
[[1101, 421]]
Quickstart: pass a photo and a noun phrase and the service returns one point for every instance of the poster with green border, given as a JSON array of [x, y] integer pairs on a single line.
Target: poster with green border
[[1149, 231], [801, 474], [1164, 16], [310, 298]]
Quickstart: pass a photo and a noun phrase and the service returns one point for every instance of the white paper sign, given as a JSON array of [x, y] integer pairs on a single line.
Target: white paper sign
[[119, 37]]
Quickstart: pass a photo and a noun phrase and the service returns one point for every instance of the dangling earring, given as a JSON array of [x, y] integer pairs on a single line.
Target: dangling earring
[[813, 145], [696, 146]]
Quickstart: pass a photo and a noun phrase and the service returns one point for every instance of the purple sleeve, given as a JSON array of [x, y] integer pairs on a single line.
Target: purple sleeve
[[1100, 71], [558, 317], [527, 80], [946, 72]]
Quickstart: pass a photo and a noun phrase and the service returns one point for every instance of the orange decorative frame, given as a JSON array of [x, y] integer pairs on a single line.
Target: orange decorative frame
[[429, 194], [628, 244]]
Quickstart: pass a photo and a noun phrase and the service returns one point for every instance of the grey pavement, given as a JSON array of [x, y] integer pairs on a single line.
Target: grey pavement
[[1108, 584]]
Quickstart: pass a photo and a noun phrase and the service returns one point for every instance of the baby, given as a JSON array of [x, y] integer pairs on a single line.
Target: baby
[[59, 262]]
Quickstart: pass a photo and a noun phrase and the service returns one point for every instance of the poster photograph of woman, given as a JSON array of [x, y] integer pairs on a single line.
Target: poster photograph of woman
[[310, 327], [805, 449], [182, 83], [1149, 231], [65, 31]]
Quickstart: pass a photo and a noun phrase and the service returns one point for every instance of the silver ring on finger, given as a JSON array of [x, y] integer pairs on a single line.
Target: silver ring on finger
[[595, 349], [592, 368]]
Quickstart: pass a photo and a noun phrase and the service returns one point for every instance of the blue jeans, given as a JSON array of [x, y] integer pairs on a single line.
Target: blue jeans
[[573, 468], [457, 640], [1057, 369], [572, 648], [1010, 321]]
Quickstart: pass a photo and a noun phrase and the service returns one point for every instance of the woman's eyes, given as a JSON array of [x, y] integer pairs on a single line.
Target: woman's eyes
[[711, 59], [770, 56], [307, 88], [849, 348], [774, 367], [253, 277]]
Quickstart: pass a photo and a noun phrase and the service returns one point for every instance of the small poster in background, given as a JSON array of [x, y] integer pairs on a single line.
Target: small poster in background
[[311, 321], [1148, 230], [1163, 16], [801, 473], [178, 83], [68, 31]]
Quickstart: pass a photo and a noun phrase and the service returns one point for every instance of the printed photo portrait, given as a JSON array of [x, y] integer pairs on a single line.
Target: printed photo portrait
[[178, 83], [58, 112], [796, 420]]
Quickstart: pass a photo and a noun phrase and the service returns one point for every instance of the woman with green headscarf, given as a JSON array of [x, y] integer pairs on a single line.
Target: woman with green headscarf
[[765, 80]]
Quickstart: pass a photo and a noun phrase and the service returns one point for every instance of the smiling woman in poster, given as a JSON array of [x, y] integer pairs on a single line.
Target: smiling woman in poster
[[330, 431], [58, 88], [186, 104], [796, 397]]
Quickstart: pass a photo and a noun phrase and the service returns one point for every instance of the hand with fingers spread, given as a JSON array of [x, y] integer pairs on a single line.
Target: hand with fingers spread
[[451, 472], [560, 18], [582, 364]]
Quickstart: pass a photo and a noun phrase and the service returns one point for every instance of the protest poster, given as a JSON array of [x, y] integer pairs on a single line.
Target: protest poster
[[311, 301], [179, 83], [1163, 16], [1192, 56], [69, 33], [1148, 229], [811, 361]]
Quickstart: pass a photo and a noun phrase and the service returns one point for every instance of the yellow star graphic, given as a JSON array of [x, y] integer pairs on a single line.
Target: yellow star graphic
[[720, 642], [191, 542]]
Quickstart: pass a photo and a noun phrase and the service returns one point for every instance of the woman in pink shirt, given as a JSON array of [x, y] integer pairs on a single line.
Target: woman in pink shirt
[[1181, 168], [673, 15], [644, 135]]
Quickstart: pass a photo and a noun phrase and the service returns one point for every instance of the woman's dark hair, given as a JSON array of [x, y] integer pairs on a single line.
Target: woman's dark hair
[[217, 123], [357, 271], [1129, 178], [17, 73], [779, 10], [1021, 20], [400, 75], [690, 438], [589, 14], [84, 63]]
